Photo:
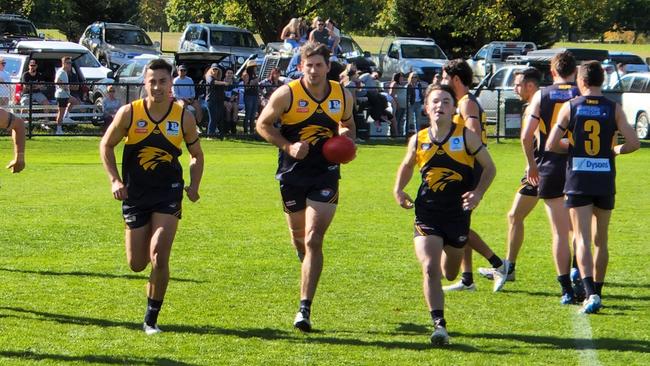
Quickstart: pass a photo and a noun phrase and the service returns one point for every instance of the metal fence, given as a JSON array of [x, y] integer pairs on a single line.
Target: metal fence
[[377, 115]]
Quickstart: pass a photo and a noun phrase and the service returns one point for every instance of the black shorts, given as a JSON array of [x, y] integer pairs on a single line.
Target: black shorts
[[294, 198], [453, 229], [551, 186], [137, 213], [527, 189], [605, 202], [62, 102]]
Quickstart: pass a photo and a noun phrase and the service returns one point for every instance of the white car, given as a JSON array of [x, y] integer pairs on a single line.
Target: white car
[[90, 67], [636, 101]]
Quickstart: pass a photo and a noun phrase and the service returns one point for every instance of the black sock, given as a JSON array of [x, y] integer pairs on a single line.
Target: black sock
[[153, 308], [495, 261], [512, 267], [438, 317], [467, 278], [565, 282], [305, 307], [598, 288], [588, 282]]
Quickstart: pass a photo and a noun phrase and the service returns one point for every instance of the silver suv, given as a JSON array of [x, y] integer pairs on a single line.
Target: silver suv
[[238, 42], [115, 43]]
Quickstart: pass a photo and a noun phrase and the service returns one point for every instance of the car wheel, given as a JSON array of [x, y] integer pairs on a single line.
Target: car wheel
[[642, 125]]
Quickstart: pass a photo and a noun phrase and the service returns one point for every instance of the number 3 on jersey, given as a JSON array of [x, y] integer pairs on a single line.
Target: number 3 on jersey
[[592, 141]]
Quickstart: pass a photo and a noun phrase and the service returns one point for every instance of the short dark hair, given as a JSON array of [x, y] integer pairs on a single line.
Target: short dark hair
[[530, 75], [460, 68], [313, 49], [591, 73], [447, 88], [564, 64], [158, 64]]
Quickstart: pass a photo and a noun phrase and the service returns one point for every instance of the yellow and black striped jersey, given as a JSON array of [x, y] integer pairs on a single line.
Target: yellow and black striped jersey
[[482, 117], [313, 121], [152, 148]]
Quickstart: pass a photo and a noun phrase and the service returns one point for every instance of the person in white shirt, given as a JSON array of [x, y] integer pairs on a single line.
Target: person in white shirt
[[5, 89], [62, 93], [184, 92]]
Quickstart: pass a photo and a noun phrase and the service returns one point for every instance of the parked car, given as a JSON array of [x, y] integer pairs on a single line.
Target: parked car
[[115, 43], [15, 28], [354, 54], [405, 54], [632, 62], [493, 55], [238, 43], [636, 101]]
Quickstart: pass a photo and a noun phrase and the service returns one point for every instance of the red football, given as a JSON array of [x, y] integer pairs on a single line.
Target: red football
[[339, 149]]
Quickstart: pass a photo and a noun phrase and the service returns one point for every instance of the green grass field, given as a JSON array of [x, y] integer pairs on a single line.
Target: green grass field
[[68, 296]]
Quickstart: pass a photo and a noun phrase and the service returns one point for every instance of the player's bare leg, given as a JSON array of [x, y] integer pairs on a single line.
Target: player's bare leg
[[558, 216]]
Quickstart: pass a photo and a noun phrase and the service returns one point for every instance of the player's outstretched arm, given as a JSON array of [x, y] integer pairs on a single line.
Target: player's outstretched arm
[[279, 102], [114, 134], [404, 175], [471, 199], [17, 126], [197, 160], [631, 143], [348, 127], [554, 139]]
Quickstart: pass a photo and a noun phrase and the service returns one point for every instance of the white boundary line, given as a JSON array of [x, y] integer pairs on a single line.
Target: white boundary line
[[587, 354]]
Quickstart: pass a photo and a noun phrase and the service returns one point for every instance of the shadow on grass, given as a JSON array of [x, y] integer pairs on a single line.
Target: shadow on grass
[[610, 344], [317, 337], [92, 274], [108, 360]]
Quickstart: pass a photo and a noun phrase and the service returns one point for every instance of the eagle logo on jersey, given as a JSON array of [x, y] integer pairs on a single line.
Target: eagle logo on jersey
[[151, 156], [313, 133], [438, 178]]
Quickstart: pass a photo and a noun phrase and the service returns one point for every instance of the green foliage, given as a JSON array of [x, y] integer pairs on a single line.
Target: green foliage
[[149, 12]]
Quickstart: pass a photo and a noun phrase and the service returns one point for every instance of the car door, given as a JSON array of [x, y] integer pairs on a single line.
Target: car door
[[122, 76]]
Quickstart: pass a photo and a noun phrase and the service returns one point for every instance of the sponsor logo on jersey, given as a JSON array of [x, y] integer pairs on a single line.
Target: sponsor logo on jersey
[[591, 165], [319, 110], [151, 156], [440, 152], [314, 133], [334, 105], [561, 94], [303, 106], [591, 111], [438, 178], [456, 144], [141, 126], [426, 146], [173, 128]]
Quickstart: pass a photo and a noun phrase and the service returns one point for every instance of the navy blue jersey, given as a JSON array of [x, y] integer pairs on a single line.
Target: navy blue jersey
[[553, 97], [592, 130]]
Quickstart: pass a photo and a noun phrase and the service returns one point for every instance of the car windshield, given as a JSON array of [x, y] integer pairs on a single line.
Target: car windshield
[[232, 39], [627, 59], [349, 46], [17, 28], [422, 51], [86, 60], [127, 36]]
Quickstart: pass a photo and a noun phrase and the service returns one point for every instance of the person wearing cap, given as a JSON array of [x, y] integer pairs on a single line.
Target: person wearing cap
[[110, 105], [183, 91], [5, 88], [215, 95]]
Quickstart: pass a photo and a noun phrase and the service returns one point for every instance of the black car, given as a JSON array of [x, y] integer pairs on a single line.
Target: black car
[[15, 28]]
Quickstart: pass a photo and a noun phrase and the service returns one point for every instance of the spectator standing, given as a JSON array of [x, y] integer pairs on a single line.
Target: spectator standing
[[251, 96], [415, 94], [5, 88], [231, 102], [185, 93], [34, 88], [64, 99], [215, 96], [397, 89]]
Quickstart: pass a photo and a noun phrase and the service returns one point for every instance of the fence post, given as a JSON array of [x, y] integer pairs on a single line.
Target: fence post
[[31, 101], [498, 115]]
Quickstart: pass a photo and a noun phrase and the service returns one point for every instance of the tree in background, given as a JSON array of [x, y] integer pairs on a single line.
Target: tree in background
[[22, 7], [150, 15]]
